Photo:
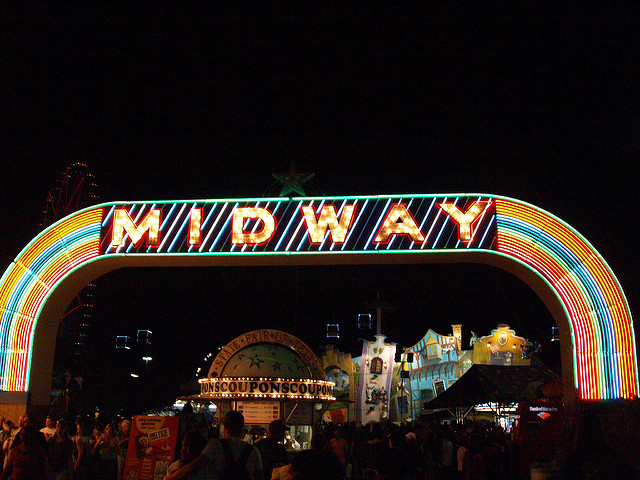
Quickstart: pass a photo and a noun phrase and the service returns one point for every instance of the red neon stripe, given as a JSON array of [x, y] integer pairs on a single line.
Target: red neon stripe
[[570, 295], [606, 283]]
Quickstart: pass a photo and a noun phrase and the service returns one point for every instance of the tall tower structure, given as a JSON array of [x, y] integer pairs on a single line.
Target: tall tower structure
[[457, 334], [74, 189]]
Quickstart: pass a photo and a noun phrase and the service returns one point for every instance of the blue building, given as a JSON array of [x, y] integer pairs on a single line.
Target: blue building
[[434, 367]]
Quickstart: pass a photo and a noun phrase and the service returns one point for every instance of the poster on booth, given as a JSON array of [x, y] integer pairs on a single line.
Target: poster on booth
[[152, 445]]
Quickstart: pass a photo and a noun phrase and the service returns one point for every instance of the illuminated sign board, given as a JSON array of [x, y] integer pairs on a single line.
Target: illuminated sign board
[[228, 388], [301, 225]]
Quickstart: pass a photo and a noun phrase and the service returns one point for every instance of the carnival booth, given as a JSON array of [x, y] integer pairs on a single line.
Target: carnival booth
[[268, 375]]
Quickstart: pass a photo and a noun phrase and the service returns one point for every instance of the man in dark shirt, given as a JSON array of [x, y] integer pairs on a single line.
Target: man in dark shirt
[[317, 463], [271, 449]]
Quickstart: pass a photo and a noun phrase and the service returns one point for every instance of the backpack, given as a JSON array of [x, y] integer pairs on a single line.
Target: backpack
[[235, 470]]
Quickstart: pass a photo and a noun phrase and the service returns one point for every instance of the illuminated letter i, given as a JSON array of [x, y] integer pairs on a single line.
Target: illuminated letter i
[[195, 227]]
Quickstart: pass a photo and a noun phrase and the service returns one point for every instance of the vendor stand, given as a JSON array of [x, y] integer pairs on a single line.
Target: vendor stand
[[268, 375]]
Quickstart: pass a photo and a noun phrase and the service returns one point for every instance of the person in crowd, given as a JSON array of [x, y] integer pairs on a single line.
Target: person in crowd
[[395, 463], [123, 445], [8, 429], [27, 460], [82, 453], [462, 455], [96, 433], [192, 445], [417, 464], [49, 428], [290, 443], [376, 448], [317, 463], [246, 437], [493, 454], [106, 449], [339, 445], [23, 422], [591, 457], [213, 457], [447, 465], [60, 452], [370, 474], [258, 433], [358, 448], [475, 464], [272, 451]]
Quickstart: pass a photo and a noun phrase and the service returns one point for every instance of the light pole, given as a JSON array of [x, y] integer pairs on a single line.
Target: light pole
[[146, 363]]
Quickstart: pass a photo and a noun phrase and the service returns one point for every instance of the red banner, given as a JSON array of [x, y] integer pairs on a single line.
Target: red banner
[[152, 446]]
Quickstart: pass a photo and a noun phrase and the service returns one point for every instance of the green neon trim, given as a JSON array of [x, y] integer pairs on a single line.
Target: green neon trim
[[293, 252]]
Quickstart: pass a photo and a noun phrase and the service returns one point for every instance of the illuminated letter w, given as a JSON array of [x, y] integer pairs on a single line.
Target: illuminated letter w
[[317, 228]]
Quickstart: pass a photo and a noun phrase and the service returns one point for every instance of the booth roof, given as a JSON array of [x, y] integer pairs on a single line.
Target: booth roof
[[495, 384]]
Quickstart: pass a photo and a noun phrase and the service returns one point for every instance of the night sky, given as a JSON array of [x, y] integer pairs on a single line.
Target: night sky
[[165, 104]]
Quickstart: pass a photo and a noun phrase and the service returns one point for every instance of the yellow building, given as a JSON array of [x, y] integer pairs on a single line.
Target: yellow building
[[502, 347]]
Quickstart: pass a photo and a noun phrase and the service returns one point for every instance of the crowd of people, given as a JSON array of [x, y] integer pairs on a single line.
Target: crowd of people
[[95, 449], [390, 451], [381, 451], [61, 450]]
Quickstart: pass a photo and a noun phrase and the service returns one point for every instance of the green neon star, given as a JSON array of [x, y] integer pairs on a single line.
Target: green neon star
[[292, 181]]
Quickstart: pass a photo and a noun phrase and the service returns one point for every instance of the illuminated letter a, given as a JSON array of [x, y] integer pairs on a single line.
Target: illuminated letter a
[[399, 222]]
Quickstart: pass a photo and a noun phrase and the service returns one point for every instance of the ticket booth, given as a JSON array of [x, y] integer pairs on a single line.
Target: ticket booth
[[268, 375]]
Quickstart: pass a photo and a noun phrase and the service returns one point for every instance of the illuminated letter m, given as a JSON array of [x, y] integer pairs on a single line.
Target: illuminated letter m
[[122, 224]]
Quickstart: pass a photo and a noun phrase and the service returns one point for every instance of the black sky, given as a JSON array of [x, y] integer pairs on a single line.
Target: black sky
[[165, 103]]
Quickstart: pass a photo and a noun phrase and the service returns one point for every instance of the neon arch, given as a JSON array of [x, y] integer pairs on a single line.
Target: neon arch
[[582, 293]]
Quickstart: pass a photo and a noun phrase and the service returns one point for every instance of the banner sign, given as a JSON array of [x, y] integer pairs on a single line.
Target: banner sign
[[300, 225], [152, 445], [376, 371]]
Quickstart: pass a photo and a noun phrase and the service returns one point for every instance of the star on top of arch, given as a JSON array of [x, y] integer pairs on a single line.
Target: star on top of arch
[[293, 181]]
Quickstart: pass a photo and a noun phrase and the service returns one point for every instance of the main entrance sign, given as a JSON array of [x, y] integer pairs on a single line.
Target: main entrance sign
[[574, 281], [324, 225]]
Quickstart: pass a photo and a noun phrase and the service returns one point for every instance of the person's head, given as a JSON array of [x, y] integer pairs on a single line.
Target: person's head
[[49, 422], [370, 474], [109, 430], [126, 427], [397, 439], [233, 423], [61, 428], [277, 430], [376, 431], [29, 436], [8, 424], [82, 429], [26, 421], [192, 444], [318, 441]]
